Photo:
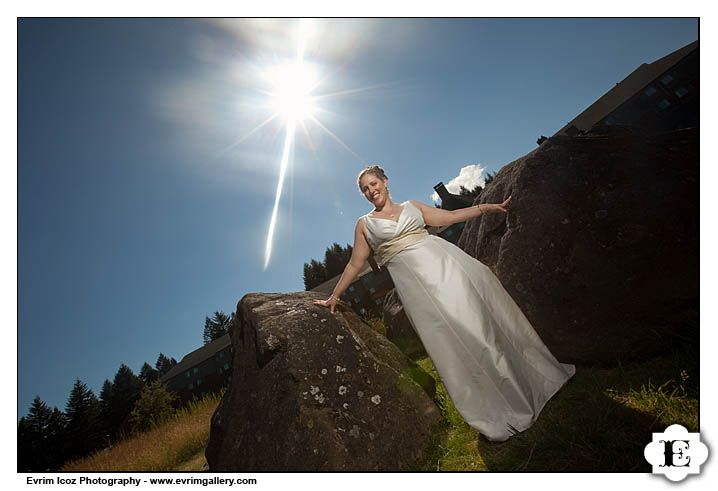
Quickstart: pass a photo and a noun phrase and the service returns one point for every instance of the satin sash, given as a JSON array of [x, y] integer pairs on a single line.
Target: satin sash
[[392, 247]]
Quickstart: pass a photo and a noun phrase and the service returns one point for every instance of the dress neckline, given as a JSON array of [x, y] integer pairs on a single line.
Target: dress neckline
[[403, 206]]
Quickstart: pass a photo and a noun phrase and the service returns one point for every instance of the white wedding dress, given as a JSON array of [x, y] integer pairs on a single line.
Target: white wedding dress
[[495, 367]]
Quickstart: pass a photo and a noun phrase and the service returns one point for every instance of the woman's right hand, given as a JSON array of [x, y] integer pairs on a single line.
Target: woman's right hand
[[331, 302]]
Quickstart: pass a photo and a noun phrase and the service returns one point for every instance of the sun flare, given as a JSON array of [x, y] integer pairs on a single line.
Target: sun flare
[[293, 83]]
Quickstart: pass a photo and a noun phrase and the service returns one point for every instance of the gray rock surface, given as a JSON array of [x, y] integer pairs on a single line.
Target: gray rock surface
[[600, 247], [315, 391]]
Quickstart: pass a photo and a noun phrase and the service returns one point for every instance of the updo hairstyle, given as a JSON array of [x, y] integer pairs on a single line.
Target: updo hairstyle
[[372, 169]]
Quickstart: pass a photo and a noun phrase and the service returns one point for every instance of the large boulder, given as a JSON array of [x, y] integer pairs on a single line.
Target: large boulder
[[398, 327], [600, 246], [315, 391]]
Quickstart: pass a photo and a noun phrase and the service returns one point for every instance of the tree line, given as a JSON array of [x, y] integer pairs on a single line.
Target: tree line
[[336, 258], [48, 438]]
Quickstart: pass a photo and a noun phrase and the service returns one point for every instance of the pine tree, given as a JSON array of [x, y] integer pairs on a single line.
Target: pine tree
[[473, 193], [33, 437], [25, 449], [164, 364], [57, 440], [106, 411], [41, 436], [39, 417], [148, 374], [336, 258], [126, 388], [154, 406], [315, 273], [84, 427], [216, 327]]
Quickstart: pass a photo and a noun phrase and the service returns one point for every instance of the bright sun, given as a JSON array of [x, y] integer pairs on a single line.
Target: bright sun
[[292, 86]]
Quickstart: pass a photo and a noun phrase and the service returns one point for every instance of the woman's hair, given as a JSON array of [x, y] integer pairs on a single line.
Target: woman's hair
[[372, 169]]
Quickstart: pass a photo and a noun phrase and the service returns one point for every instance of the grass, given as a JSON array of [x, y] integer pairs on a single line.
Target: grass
[[176, 445], [600, 421]]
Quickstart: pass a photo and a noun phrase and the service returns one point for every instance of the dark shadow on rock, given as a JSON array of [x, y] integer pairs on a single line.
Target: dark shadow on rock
[[600, 246]]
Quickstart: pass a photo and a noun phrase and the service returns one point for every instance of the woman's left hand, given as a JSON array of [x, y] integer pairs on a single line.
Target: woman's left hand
[[504, 207]]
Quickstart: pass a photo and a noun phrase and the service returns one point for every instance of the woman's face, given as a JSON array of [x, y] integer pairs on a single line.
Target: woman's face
[[374, 189]]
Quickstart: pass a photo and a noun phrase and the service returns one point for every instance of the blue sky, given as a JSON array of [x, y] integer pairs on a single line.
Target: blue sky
[[140, 211]]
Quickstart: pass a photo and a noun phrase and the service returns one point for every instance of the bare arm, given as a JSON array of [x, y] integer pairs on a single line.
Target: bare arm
[[360, 253], [436, 217]]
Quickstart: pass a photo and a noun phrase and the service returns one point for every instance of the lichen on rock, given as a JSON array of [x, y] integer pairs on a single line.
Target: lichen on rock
[[316, 402]]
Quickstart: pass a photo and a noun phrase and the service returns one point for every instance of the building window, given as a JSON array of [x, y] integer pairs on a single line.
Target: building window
[[609, 121], [650, 90], [199, 382], [220, 370], [190, 386], [195, 370], [187, 373], [681, 91], [226, 366], [221, 354], [349, 303], [356, 299], [351, 288], [663, 104], [362, 310], [666, 79], [380, 300], [372, 290]]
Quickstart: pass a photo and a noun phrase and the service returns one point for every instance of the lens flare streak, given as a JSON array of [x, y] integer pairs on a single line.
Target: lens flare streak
[[288, 141], [292, 100]]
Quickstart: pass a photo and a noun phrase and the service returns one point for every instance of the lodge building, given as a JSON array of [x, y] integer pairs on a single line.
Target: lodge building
[[659, 96]]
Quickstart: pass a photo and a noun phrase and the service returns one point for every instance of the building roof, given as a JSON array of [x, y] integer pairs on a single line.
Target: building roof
[[198, 356], [624, 90], [328, 286]]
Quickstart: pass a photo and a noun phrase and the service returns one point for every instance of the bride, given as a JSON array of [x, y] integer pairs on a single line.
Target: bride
[[494, 366]]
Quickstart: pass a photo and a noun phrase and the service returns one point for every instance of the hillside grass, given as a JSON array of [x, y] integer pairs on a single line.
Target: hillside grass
[[599, 422], [176, 444]]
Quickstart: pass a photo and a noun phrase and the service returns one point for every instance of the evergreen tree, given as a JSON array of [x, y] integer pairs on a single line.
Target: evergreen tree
[[154, 406], [315, 273], [38, 418], [33, 432], [106, 412], [473, 193], [126, 388], [41, 436], [84, 427], [164, 364], [148, 374], [57, 439], [25, 448], [216, 327], [336, 258]]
